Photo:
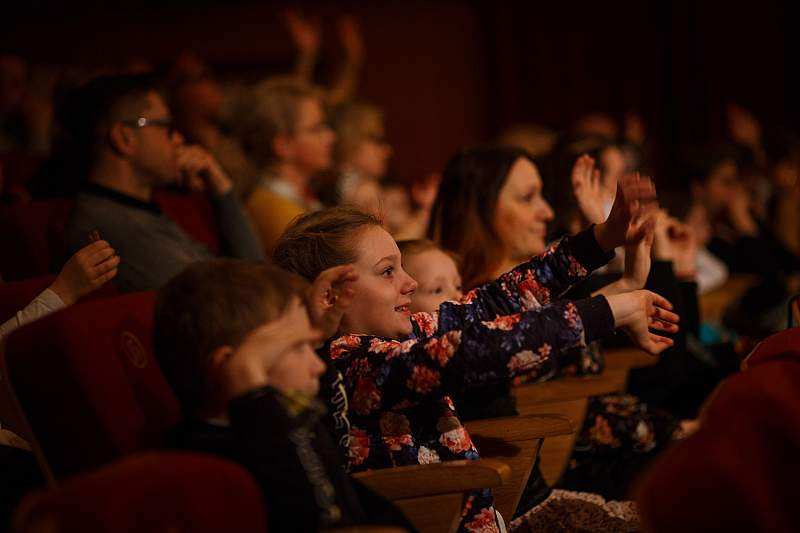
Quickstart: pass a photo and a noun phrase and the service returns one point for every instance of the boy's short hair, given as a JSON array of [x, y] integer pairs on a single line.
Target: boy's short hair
[[274, 110], [211, 304]]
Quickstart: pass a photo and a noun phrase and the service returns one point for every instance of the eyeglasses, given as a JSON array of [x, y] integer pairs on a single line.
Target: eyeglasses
[[143, 122]]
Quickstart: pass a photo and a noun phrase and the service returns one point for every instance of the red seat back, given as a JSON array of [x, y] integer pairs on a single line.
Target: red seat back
[[32, 238], [18, 168], [739, 471], [88, 383], [151, 493], [16, 295], [194, 213]]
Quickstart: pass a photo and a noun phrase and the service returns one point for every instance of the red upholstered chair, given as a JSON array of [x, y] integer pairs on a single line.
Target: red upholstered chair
[[18, 168], [16, 295], [86, 380], [32, 238], [194, 213], [739, 471], [150, 493]]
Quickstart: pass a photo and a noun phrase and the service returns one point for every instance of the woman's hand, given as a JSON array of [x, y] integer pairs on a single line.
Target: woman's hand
[[638, 312], [635, 198], [87, 270], [329, 298], [589, 191], [637, 254]]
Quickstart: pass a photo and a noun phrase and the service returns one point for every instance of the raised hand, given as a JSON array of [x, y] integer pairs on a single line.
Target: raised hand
[[639, 312], [588, 189], [87, 270], [305, 33], [637, 254], [329, 297], [635, 198], [351, 38]]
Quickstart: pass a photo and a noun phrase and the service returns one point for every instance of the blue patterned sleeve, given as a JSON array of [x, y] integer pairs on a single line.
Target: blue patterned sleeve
[[385, 374]]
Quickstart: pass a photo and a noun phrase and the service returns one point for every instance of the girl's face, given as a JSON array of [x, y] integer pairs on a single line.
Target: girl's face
[[438, 278], [382, 302], [522, 212]]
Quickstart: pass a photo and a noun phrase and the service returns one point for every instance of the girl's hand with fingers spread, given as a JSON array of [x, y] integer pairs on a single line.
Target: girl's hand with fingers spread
[[329, 297], [87, 270], [636, 197], [639, 312]]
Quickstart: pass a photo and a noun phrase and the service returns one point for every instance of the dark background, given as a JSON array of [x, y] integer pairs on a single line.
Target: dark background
[[455, 73]]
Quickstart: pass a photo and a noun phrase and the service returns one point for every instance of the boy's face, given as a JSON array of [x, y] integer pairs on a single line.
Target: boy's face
[[438, 278], [312, 142]]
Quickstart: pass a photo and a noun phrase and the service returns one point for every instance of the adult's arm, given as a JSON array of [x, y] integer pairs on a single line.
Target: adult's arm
[[235, 228], [44, 304]]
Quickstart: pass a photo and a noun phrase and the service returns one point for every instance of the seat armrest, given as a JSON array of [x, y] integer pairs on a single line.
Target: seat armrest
[[434, 479], [522, 427]]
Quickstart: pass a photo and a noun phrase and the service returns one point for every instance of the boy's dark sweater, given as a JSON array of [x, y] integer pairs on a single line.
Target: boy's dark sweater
[[295, 462]]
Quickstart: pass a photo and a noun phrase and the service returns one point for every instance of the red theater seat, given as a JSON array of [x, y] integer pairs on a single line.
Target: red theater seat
[[194, 213], [150, 493], [739, 471], [16, 295], [88, 384], [32, 238]]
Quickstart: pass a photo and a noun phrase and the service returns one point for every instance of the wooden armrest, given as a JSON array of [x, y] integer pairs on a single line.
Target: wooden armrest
[[432, 479], [517, 441], [571, 388], [521, 428], [432, 496], [628, 358], [366, 529]]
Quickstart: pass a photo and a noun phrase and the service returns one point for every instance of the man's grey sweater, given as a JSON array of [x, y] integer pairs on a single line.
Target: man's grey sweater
[[153, 248]]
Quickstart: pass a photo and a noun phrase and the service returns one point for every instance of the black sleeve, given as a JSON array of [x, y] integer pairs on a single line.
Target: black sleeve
[[278, 448]]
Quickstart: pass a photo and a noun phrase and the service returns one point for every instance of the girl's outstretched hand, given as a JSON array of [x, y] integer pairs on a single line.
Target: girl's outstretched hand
[[635, 199], [639, 313]]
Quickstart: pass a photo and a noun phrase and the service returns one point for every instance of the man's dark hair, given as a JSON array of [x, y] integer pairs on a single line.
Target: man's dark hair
[[85, 112], [211, 304]]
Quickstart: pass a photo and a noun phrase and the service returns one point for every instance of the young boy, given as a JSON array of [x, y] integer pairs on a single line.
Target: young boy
[[235, 342]]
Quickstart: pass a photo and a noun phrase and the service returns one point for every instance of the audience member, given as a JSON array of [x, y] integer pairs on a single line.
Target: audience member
[[289, 139], [128, 131], [400, 411], [236, 343]]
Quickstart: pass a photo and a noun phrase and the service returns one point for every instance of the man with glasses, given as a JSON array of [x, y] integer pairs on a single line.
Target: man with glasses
[[126, 125]]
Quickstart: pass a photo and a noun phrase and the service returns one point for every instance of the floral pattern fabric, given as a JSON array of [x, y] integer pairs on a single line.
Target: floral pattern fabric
[[400, 410]]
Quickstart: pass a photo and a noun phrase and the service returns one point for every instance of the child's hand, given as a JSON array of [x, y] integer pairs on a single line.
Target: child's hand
[[329, 297], [87, 270], [248, 367], [638, 312], [635, 199]]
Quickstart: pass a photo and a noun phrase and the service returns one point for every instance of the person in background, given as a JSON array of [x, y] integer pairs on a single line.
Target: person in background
[[125, 127], [288, 137]]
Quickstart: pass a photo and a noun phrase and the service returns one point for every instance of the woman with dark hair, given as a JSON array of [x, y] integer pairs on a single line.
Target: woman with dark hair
[[490, 211]]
